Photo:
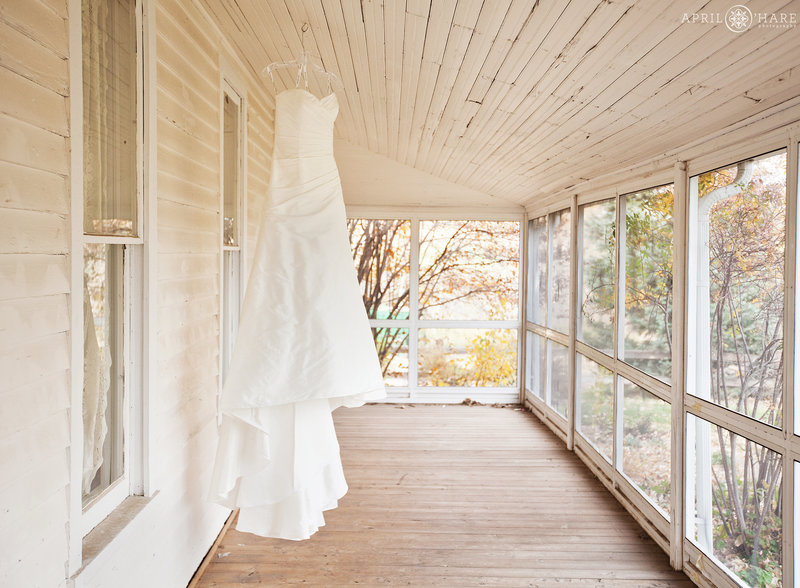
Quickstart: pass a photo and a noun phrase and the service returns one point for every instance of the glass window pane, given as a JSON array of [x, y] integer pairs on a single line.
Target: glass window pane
[[392, 348], [558, 278], [382, 256], [740, 234], [109, 117], [231, 306], [596, 405], [536, 364], [103, 368], [468, 270], [646, 427], [558, 377], [733, 501], [598, 242], [230, 233], [537, 270], [647, 318], [467, 357]]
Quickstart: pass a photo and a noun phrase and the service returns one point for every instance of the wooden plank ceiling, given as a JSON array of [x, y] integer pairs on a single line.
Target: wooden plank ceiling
[[521, 99]]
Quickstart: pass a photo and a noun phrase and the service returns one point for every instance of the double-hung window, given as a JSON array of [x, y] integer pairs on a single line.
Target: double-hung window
[[111, 254], [232, 190]]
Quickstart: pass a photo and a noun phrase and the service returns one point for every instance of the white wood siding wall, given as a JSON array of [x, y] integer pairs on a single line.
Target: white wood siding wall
[[260, 125], [175, 530], [165, 542], [34, 292]]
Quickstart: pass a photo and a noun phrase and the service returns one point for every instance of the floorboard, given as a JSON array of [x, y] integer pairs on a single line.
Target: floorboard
[[455, 496]]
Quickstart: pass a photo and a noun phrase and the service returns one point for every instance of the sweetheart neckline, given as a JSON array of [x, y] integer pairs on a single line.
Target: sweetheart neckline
[[304, 91]]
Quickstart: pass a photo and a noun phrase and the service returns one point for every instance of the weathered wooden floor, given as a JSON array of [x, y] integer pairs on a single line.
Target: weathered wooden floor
[[455, 496]]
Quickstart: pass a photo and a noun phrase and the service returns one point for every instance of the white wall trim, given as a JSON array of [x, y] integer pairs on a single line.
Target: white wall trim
[[149, 374], [75, 530]]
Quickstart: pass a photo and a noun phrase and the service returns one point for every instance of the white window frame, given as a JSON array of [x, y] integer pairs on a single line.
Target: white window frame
[[760, 138], [579, 251], [138, 286], [567, 428], [231, 85], [547, 332], [130, 482], [437, 394], [780, 439]]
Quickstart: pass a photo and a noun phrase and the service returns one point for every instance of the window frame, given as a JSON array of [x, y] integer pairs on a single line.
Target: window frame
[[698, 158], [580, 253], [621, 312], [130, 482], [564, 423], [436, 394], [778, 439], [566, 426], [139, 311], [231, 85]]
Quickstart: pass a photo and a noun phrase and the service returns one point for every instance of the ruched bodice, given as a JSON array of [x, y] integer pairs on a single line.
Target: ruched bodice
[[304, 124], [302, 264]]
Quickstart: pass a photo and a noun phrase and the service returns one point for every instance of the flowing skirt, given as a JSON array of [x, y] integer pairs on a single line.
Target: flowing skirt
[[282, 469], [304, 345], [280, 466]]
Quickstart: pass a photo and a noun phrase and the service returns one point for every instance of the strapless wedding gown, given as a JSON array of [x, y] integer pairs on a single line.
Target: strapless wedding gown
[[304, 345]]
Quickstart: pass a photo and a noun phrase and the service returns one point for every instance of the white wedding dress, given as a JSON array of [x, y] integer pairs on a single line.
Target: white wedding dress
[[304, 345]]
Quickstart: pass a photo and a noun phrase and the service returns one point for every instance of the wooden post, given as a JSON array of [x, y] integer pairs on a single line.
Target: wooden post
[[790, 417], [522, 341], [413, 311], [573, 310], [679, 297]]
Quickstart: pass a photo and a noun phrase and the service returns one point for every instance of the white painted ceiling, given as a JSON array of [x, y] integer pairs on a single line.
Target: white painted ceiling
[[519, 99]]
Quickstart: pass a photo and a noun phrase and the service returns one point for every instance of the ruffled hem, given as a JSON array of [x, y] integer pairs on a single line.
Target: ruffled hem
[[358, 399], [299, 515], [281, 467]]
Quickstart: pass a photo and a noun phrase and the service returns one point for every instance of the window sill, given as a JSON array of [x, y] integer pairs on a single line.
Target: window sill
[[104, 533]]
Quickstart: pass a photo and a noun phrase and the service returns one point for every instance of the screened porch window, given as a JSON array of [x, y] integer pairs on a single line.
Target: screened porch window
[[646, 257], [645, 442], [737, 241], [442, 297], [548, 309], [739, 224], [597, 232], [558, 270], [595, 405]]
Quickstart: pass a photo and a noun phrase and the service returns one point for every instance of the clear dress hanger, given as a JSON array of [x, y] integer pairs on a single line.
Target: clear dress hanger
[[302, 65]]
